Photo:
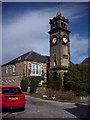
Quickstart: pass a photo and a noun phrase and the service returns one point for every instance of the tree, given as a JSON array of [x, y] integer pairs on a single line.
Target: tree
[[77, 79]]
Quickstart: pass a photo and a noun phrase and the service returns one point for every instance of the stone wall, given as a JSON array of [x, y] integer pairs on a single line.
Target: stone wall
[[85, 99], [41, 90], [21, 72], [13, 77]]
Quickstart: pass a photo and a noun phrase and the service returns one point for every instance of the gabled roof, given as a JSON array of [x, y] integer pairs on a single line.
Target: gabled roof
[[71, 63], [30, 56], [86, 61]]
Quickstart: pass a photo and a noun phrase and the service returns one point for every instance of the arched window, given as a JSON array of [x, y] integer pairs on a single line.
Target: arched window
[[55, 61]]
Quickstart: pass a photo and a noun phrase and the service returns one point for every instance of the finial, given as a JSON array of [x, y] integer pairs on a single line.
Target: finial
[[58, 9]]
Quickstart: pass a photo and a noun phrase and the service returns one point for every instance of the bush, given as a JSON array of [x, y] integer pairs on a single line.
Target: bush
[[58, 83], [24, 85], [49, 92], [34, 82], [49, 80], [77, 79], [64, 95], [80, 93], [54, 80]]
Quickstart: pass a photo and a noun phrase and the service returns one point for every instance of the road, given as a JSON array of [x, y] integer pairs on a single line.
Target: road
[[38, 108]]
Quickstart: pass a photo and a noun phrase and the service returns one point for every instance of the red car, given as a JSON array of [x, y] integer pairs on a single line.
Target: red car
[[12, 97]]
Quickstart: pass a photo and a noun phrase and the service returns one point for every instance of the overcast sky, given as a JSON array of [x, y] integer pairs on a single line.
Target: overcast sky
[[25, 27]]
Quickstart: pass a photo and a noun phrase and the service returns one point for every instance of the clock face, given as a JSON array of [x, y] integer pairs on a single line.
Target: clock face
[[54, 40], [65, 40]]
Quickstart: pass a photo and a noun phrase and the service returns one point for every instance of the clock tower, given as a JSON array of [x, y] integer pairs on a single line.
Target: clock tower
[[59, 43]]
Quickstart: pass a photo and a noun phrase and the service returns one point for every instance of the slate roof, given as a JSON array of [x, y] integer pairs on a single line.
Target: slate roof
[[86, 61], [30, 56], [71, 63]]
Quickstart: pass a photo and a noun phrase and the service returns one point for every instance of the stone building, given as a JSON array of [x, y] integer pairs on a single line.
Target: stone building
[[59, 43], [59, 36], [24, 66]]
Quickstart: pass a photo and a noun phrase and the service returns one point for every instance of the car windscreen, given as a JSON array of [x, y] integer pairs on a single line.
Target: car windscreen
[[11, 90]]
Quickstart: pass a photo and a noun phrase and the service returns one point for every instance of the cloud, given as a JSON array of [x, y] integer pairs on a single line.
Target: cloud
[[79, 48], [29, 31], [74, 11]]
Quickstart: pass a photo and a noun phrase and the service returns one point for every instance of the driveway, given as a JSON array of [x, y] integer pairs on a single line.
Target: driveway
[[38, 108]]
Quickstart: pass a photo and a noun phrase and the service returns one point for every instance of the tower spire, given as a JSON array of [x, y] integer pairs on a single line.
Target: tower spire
[[58, 9]]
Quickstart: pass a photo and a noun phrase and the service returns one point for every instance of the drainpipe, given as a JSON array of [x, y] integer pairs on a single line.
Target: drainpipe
[[26, 70]]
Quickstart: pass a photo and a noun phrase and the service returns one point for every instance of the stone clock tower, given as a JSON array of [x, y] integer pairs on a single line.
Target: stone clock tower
[[59, 43]]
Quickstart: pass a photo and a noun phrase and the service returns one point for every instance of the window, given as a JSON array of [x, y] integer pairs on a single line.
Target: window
[[32, 68], [54, 25], [36, 69], [10, 81], [29, 71], [11, 90], [14, 68], [40, 69], [55, 62], [13, 80], [63, 25], [6, 69]]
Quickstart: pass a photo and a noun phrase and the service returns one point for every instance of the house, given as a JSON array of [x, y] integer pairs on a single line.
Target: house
[[86, 61], [24, 66]]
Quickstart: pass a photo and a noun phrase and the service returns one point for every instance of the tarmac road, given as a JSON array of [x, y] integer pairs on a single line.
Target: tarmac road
[[38, 108]]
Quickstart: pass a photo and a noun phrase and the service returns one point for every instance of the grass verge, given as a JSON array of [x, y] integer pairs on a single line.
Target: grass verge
[[76, 100]]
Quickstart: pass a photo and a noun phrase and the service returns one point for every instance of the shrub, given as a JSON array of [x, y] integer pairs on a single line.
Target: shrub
[[58, 83], [77, 79], [34, 82], [64, 95], [24, 85], [80, 93], [54, 80], [49, 80], [49, 92]]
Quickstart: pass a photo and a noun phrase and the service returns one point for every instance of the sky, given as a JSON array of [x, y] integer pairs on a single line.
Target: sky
[[0, 33], [45, 0], [25, 27]]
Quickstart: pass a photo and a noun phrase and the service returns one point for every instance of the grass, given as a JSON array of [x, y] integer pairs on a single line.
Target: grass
[[35, 95], [76, 100]]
